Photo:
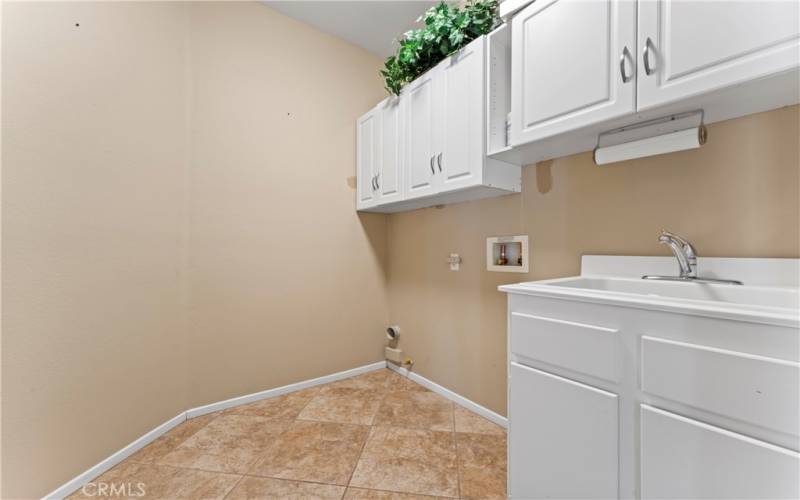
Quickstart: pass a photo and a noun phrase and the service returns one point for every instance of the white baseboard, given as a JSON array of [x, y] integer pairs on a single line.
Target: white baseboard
[[279, 391], [81, 479], [452, 396]]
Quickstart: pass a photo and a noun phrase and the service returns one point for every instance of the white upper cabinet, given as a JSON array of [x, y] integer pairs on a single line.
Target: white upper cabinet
[[583, 67], [572, 65], [688, 48], [367, 158], [428, 147], [460, 118], [389, 173], [419, 98]]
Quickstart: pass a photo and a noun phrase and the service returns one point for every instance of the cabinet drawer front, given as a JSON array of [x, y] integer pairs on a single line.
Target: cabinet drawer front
[[579, 347], [756, 389], [683, 458], [563, 438]]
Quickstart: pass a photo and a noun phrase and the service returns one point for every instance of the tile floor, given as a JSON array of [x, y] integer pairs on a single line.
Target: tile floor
[[374, 436]]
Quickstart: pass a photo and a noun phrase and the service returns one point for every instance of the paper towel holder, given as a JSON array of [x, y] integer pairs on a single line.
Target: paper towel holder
[[677, 132]]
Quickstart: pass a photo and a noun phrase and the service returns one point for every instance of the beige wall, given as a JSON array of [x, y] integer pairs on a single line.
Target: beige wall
[[737, 196], [178, 229], [93, 174], [177, 224], [286, 279]]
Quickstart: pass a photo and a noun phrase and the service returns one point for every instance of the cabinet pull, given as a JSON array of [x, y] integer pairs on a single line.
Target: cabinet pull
[[433, 170], [439, 161], [377, 182], [373, 182], [622, 59], [646, 57]]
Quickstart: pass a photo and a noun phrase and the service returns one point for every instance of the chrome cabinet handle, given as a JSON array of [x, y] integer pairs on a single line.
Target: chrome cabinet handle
[[433, 170], [373, 183], [646, 57], [439, 161], [622, 58], [377, 182]]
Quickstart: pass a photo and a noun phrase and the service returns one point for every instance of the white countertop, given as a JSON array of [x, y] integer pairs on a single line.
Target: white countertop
[[770, 293]]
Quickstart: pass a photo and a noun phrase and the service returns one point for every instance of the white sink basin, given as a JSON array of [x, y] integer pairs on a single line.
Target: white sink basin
[[771, 293], [761, 296]]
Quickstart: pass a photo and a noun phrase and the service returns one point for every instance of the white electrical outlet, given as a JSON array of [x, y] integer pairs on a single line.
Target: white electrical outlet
[[454, 261]]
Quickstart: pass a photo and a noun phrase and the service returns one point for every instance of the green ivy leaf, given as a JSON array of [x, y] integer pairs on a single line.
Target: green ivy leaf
[[446, 29]]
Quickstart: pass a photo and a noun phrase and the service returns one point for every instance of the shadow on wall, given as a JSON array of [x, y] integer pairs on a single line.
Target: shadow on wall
[[374, 226], [544, 176]]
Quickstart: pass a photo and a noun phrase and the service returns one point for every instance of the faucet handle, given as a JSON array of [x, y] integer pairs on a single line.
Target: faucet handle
[[687, 247]]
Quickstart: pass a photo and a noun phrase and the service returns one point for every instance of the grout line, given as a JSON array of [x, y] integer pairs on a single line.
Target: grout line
[[455, 444], [358, 460], [426, 495], [256, 476], [383, 394], [241, 478], [308, 481]]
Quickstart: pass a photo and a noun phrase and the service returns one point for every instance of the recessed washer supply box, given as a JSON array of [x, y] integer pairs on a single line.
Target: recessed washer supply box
[[507, 254]]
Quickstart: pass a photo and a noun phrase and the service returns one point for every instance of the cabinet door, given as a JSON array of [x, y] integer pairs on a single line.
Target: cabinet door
[[694, 47], [459, 118], [419, 100], [567, 64], [388, 177], [366, 158], [563, 440], [684, 458]]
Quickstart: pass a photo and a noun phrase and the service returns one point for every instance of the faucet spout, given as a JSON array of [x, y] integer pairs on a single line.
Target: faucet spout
[[684, 252], [687, 261]]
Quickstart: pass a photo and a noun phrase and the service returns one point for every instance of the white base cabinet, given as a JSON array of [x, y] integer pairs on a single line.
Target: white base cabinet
[[567, 429], [684, 458], [431, 142], [625, 395]]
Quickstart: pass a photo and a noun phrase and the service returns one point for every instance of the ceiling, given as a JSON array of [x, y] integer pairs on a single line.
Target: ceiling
[[373, 25]]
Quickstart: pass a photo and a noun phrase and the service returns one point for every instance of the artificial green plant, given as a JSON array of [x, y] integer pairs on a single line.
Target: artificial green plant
[[447, 29]]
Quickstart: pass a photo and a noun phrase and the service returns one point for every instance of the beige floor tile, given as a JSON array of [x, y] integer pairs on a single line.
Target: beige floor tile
[[268, 488], [314, 451], [171, 440], [296, 441], [148, 481], [364, 494], [378, 379], [409, 461], [229, 443], [384, 380], [482, 465], [466, 421], [346, 405], [287, 406], [414, 409], [401, 383]]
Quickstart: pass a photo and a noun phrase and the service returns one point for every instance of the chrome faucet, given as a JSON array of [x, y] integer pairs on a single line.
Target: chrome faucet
[[687, 261], [683, 251]]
